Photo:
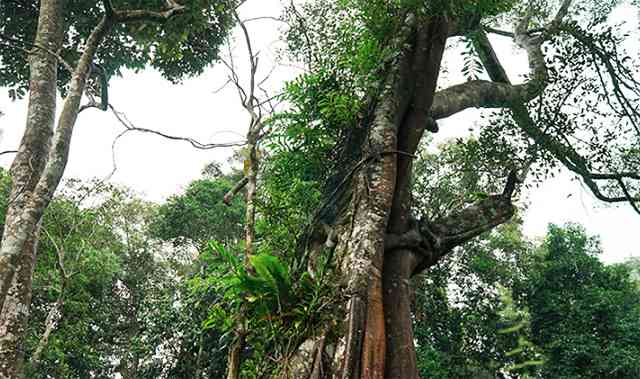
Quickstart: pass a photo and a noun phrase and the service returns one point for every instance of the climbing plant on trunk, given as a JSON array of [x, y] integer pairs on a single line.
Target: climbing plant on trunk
[[380, 242]]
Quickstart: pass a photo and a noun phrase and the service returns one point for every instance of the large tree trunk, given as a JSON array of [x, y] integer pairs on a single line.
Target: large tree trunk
[[380, 246], [366, 346], [379, 337]]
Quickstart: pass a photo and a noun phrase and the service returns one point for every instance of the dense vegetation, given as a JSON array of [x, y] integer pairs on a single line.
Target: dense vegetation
[[346, 245], [134, 301]]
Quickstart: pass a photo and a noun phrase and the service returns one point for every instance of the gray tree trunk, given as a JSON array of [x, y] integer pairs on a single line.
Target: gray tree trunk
[[19, 241]]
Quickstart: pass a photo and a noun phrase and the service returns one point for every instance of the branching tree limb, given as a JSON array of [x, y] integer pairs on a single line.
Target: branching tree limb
[[439, 237], [565, 153], [492, 94]]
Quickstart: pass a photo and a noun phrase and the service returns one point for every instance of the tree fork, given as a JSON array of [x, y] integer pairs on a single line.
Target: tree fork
[[399, 264]]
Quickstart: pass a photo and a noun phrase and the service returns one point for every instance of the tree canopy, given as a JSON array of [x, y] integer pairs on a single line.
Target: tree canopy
[[349, 244]]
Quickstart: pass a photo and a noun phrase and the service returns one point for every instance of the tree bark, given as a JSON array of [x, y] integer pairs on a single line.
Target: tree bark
[[380, 246], [41, 161], [19, 239], [15, 315]]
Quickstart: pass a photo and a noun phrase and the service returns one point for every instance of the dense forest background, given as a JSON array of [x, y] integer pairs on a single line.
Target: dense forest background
[[119, 290], [350, 232]]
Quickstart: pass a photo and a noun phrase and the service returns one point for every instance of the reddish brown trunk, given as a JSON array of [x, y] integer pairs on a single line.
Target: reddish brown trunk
[[401, 355], [376, 338], [374, 345], [400, 264]]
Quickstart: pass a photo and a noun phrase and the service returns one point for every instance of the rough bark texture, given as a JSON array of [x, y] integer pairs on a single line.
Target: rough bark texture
[[360, 351], [17, 252], [15, 315], [380, 247], [40, 163]]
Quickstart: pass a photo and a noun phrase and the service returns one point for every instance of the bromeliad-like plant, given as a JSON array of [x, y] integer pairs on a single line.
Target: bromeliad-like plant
[[279, 310]]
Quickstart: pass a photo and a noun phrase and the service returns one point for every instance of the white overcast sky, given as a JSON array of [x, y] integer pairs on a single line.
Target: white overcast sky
[[158, 168]]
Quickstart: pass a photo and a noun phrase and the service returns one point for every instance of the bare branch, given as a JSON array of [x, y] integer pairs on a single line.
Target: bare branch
[[263, 18], [130, 127], [503, 33], [8, 152]]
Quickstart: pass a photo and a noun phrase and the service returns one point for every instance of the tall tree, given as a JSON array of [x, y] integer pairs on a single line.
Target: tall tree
[[98, 39], [387, 56]]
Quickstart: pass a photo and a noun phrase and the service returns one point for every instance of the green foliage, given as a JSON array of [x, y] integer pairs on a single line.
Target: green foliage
[[472, 67], [182, 47], [462, 317], [200, 214], [80, 343], [461, 171], [571, 292], [301, 147], [278, 310], [121, 301]]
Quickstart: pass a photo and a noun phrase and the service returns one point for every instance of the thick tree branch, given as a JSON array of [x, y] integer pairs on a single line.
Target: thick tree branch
[[439, 237], [461, 226], [60, 149], [562, 13], [566, 154], [434, 239], [492, 94], [478, 94], [488, 94], [12, 41], [141, 15]]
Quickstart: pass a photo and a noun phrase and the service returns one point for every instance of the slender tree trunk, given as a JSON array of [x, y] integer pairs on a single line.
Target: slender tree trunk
[[53, 317], [19, 239], [251, 175], [198, 372], [233, 359]]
